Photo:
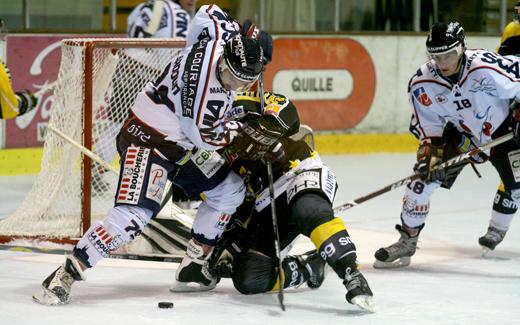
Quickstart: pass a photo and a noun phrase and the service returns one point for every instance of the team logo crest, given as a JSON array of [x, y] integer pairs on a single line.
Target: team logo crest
[[422, 97]]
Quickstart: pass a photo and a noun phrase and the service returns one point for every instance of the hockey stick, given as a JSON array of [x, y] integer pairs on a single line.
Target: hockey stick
[[445, 165], [276, 232], [84, 150]]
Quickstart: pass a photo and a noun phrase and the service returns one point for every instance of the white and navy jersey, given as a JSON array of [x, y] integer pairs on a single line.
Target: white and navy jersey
[[173, 22], [478, 103], [213, 23], [188, 104]]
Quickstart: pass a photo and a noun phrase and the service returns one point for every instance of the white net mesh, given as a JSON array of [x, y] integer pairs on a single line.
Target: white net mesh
[[53, 208]]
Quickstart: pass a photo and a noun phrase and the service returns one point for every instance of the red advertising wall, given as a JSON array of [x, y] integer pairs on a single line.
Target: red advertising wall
[[34, 62], [332, 81]]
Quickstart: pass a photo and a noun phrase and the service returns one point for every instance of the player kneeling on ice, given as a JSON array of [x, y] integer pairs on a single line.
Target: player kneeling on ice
[[305, 190], [174, 129], [461, 99]]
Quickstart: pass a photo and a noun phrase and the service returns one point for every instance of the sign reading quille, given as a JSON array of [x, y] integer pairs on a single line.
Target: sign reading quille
[[332, 81], [311, 84]]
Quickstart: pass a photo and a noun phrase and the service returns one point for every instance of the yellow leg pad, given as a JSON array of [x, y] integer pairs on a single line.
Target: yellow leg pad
[[276, 286], [326, 230]]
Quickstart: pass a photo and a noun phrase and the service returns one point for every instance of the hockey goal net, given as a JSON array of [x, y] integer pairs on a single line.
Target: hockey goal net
[[97, 83]]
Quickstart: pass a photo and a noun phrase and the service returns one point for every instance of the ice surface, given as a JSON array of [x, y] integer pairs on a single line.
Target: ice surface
[[447, 283]]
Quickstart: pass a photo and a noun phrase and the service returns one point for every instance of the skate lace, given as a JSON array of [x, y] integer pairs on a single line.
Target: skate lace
[[402, 245], [495, 235], [62, 279], [353, 280]]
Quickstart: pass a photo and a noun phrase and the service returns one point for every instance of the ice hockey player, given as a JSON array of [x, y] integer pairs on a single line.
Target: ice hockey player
[[161, 19], [460, 99], [13, 104], [510, 40], [305, 189], [176, 125], [150, 19]]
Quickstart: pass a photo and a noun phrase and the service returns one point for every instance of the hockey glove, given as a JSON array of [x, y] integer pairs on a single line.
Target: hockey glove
[[466, 144], [250, 30], [255, 142], [515, 121], [428, 156], [26, 101]]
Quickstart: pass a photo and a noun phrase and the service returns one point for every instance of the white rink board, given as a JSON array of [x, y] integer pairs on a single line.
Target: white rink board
[[396, 59]]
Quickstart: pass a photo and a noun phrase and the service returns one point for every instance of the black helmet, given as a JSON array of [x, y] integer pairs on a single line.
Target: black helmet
[[244, 57], [444, 37]]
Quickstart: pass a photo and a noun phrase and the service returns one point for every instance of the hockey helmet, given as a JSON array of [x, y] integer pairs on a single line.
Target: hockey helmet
[[243, 57], [444, 38]]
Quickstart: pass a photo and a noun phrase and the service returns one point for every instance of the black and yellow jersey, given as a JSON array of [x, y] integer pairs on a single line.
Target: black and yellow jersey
[[510, 41], [8, 99], [281, 114]]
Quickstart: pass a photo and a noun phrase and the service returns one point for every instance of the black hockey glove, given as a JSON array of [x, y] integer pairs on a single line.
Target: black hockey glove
[[428, 156], [250, 30], [26, 101], [515, 121], [255, 142]]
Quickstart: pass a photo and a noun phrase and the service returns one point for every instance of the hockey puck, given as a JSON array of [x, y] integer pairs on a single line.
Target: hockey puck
[[165, 304]]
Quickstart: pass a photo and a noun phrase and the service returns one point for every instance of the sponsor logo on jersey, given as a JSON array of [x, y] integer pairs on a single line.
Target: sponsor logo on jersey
[[132, 180], [223, 221], [235, 113], [441, 99], [309, 179], [514, 160], [102, 242], [208, 161], [175, 75], [217, 90], [156, 183], [414, 210], [210, 127], [422, 97], [191, 77]]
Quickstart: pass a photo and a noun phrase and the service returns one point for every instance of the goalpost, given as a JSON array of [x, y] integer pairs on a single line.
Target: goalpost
[[97, 84]]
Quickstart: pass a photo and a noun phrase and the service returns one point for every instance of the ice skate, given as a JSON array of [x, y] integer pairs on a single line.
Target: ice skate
[[56, 288], [398, 254], [358, 291], [491, 239], [315, 264], [193, 273]]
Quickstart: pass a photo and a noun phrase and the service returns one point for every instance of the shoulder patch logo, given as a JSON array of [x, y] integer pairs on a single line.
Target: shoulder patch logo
[[422, 97]]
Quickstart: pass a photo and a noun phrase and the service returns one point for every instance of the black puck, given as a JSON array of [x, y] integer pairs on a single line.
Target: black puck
[[165, 304]]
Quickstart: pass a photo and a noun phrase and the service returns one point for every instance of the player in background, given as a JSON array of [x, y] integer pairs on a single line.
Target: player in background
[[460, 99], [161, 19], [150, 19], [305, 190], [174, 129], [510, 41], [504, 207], [13, 104]]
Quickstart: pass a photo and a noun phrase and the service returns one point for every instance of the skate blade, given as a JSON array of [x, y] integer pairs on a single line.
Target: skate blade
[[47, 298], [400, 262], [485, 251], [190, 287], [365, 303]]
